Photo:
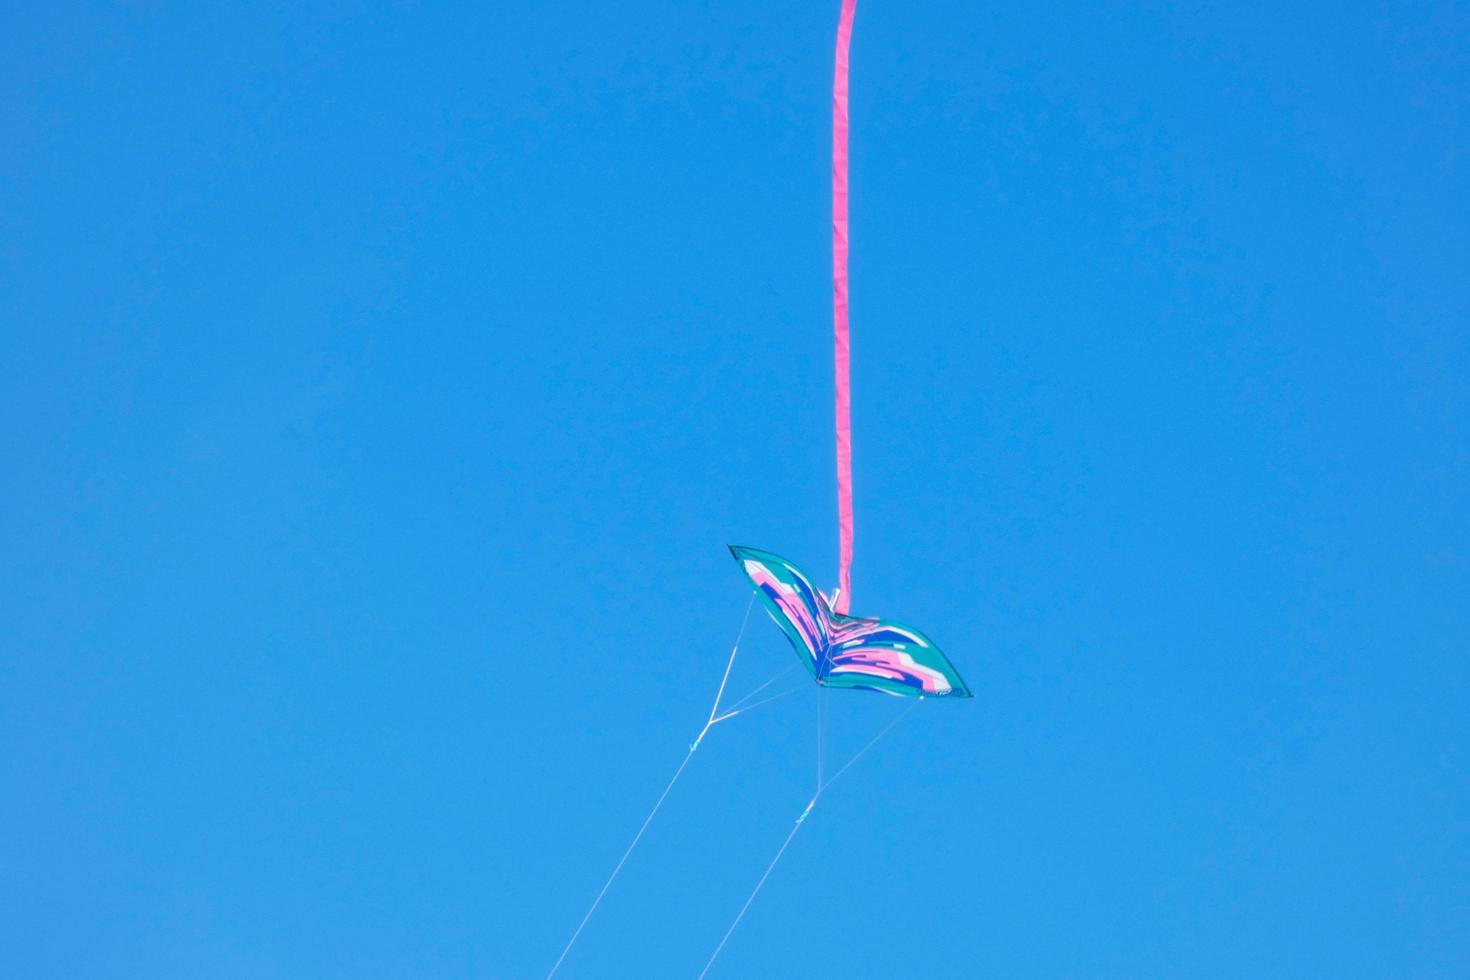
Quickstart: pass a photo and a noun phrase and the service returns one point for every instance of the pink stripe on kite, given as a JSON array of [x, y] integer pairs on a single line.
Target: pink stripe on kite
[[839, 309], [795, 611]]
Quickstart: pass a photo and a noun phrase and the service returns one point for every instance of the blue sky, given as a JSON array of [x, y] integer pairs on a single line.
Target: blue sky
[[382, 384]]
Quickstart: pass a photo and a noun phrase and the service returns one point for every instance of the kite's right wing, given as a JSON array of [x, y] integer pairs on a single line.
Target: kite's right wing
[[880, 655]]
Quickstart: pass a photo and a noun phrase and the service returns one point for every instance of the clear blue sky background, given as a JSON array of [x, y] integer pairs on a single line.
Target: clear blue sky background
[[381, 387]]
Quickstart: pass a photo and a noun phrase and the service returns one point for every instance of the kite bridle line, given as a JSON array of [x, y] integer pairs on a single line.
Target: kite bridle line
[[714, 718]]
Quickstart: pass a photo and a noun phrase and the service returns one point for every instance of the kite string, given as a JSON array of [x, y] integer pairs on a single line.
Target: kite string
[[744, 620], [621, 861], [769, 868], [763, 701], [767, 683], [864, 750], [709, 723], [821, 731]]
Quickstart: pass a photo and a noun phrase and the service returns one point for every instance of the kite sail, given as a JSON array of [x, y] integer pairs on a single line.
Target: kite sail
[[847, 651]]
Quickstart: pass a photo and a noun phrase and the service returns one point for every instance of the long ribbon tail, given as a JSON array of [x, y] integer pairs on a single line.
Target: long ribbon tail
[[839, 309]]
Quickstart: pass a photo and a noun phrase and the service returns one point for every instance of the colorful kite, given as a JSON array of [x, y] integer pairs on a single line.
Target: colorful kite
[[839, 650], [847, 651]]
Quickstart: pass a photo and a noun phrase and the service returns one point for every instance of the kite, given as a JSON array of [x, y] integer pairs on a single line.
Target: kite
[[839, 651], [847, 651]]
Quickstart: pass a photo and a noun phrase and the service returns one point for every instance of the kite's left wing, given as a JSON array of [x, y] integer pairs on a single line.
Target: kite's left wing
[[796, 606]]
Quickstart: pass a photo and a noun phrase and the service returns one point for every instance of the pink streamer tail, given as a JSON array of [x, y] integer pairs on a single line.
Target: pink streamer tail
[[839, 309]]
